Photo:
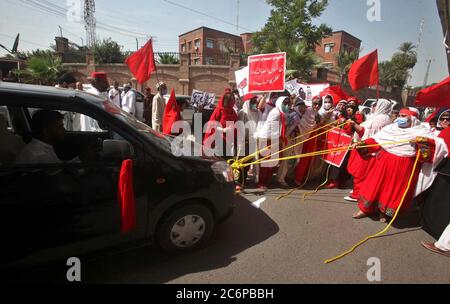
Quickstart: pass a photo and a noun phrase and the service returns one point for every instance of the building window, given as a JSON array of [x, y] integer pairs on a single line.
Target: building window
[[183, 48], [197, 44], [209, 43], [329, 47], [190, 45], [209, 60], [197, 61]]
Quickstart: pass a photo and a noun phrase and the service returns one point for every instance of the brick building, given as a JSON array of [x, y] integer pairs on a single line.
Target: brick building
[[210, 47], [331, 47]]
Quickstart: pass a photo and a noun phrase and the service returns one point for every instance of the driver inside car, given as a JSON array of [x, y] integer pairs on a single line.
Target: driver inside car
[[47, 129]]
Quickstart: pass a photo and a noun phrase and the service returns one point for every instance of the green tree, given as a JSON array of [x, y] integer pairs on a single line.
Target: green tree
[[395, 72], [43, 69], [302, 60], [168, 59], [108, 51], [344, 61], [290, 28]]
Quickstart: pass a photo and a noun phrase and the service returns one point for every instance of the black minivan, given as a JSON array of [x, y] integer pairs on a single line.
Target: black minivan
[[56, 211]]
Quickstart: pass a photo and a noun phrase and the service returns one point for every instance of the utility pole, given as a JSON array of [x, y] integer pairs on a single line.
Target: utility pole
[[137, 44], [237, 18], [60, 31], [90, 23], [427, 74]]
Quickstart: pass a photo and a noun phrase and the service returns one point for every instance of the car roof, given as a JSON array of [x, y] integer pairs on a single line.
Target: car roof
[[40, 91]]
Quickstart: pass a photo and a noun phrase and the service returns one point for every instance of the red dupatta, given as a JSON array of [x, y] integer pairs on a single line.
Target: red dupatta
[[220, 117], [171, 114]]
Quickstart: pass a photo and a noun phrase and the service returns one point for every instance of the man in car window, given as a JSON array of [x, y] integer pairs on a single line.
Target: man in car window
[[48, 129]]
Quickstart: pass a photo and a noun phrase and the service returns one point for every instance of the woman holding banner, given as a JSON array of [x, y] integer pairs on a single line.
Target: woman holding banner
[[339, 176]]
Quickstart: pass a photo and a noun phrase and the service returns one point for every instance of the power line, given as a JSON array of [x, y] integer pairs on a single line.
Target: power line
[[27, 41], [59, 11], [206, 15]]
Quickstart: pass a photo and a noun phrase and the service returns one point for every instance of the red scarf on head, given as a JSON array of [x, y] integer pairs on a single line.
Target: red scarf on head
[[126, 197], [171, 114], [220, 115]]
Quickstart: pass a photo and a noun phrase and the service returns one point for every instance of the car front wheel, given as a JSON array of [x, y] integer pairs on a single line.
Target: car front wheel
[[185, 229]]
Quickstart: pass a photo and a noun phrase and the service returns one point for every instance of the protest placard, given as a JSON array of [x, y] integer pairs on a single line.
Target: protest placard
[[306, 91], [242, 81], [336, 138], [200, 98], [267, 73]]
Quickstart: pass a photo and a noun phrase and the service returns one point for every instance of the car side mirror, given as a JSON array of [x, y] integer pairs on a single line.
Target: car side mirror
[[117, 149]]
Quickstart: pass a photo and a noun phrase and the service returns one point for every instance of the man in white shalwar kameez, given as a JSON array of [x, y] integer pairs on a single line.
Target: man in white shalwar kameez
[[99, 88]]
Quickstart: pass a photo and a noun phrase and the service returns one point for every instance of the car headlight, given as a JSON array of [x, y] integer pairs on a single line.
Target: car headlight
[[223, 172]]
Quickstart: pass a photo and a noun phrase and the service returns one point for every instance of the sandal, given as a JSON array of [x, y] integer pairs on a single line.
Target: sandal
[[432, 247]]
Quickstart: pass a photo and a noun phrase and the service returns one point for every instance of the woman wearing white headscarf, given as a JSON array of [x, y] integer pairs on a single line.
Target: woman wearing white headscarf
[[250, 117], [382, 190], [272, 130]]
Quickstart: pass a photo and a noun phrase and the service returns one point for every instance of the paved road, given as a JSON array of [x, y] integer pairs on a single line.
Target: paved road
[[285, 241]]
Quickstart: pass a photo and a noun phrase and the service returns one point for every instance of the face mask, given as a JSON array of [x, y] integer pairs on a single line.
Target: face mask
[[285, 108], [402, 122], [327, 106], [253, 106]]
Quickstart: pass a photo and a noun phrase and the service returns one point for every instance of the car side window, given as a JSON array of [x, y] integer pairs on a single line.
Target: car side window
[[10, 142], [86, 140]]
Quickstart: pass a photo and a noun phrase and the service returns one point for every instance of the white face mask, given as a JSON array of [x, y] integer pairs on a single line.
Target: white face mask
[[327, 106]]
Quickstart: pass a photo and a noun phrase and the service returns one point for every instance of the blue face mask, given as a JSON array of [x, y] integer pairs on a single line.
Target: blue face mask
[[285, 108], [402, 122]]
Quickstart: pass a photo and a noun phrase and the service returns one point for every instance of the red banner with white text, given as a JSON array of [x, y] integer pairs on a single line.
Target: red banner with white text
[[267, 73], [336, 138]]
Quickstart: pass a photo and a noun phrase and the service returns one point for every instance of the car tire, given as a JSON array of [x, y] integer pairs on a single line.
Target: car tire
[[185, 229]]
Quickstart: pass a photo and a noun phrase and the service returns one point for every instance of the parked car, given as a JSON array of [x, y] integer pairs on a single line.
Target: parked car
[[55, 211], [366, 107]]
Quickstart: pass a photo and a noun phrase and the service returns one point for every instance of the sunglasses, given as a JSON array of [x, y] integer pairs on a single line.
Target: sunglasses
[[445, 118]]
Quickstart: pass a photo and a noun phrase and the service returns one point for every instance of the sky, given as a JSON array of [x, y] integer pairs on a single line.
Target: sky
[[165, 20]]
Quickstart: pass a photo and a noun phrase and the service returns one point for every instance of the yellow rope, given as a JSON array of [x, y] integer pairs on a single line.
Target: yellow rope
[[317, 153], [249, 157], [300, 143], [323, 184], [388, 226]]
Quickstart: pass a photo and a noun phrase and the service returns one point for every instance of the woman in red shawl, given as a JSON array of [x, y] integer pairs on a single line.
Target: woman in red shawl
[[172, 114], [223, 121], [382, 190]]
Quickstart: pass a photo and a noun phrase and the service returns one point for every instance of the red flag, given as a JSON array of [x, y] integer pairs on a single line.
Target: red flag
[[336, 92], [364, 72], [437, 96], [142, 62], [171, 114]]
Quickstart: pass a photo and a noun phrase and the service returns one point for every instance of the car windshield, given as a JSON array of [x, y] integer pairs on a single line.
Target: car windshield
[[158, 138]]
